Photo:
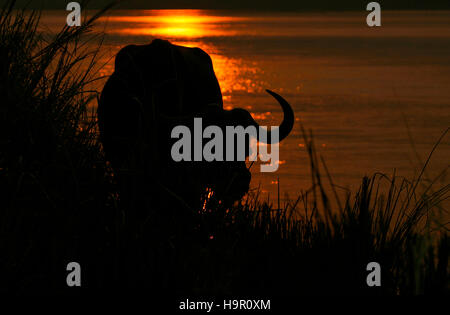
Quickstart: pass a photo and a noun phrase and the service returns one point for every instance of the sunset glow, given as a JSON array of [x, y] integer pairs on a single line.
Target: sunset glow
[[191, 28], [175, 23]]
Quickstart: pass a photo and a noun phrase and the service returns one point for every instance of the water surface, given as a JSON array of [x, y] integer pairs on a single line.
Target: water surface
[[376, 99]]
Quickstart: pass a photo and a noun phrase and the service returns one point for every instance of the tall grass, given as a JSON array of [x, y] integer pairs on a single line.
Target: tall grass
[[388, 220], [52, 171], [59, 203]]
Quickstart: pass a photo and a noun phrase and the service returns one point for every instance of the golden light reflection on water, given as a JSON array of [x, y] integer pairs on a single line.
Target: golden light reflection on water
[[190, 28], [175, 23]]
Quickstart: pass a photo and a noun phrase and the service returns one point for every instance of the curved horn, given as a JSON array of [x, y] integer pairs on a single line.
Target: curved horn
[[287, 123]]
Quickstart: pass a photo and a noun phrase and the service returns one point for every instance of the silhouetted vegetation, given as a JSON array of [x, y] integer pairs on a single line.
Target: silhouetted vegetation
[[60, 202]]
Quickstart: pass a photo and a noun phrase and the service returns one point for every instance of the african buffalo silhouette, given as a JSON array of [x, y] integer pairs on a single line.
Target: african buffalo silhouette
[[153, 88]]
